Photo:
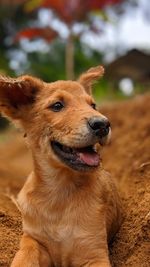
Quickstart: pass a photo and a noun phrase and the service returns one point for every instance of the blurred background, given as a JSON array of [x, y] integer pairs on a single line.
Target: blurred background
[[58, 39]]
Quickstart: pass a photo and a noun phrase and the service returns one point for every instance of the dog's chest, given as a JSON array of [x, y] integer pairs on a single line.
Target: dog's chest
[[61, 229], [70, 223], [75, 221], [61, 234]]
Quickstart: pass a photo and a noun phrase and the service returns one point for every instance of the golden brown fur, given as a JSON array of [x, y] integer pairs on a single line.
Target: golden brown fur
[[68, 215]]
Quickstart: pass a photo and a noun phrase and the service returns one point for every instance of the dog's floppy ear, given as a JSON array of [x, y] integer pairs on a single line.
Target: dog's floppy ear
[[16, 93], [89, 77]]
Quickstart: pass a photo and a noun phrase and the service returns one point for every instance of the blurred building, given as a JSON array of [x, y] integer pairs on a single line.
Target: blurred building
[[135, 65]]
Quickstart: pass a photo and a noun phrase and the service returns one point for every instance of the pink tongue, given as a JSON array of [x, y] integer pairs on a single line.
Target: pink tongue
[[91, 159]]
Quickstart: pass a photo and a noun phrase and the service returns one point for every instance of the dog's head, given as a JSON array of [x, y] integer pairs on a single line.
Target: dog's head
[[60, 118]]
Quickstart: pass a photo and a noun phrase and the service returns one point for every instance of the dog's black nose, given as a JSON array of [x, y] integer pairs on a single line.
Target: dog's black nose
[[100, 126]]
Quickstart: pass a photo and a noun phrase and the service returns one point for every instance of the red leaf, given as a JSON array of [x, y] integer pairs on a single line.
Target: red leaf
[[47, 34], [67, 10], [75, 10], [98, 4]]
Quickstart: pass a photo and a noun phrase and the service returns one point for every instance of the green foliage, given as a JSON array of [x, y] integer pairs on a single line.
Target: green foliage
[[85, 58], [50, 66], [3, 123], [4, 64]]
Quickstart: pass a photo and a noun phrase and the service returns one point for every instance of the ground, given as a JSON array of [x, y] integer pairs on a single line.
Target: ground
[[127, 158]]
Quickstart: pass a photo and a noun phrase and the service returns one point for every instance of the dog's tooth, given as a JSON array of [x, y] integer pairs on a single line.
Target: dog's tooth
[[19, 85], [95, 148]]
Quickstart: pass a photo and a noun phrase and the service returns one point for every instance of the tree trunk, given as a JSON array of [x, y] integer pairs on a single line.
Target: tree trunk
[[70, 57]]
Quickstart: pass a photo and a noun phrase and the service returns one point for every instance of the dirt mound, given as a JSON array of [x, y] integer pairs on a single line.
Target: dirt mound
[[128, 160], [15, 165]]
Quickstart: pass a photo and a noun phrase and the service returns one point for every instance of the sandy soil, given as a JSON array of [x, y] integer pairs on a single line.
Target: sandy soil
[[128, 160]]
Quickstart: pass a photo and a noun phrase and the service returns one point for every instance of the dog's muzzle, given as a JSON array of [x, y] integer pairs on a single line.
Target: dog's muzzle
[[85, 155]]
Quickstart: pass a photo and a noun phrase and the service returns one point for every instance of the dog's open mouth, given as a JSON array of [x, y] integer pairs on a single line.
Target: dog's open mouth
[[77, 158]]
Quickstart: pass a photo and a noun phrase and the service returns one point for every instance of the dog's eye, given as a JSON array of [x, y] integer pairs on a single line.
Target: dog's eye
[[56, 107], [93, 105]]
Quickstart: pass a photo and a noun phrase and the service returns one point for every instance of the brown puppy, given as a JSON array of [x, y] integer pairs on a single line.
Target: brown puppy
[[70, 206]]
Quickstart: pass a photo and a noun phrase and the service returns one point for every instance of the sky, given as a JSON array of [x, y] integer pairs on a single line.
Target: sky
[[131, 31]]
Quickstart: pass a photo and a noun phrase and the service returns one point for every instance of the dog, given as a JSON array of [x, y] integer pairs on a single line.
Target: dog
[[69, 204]]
